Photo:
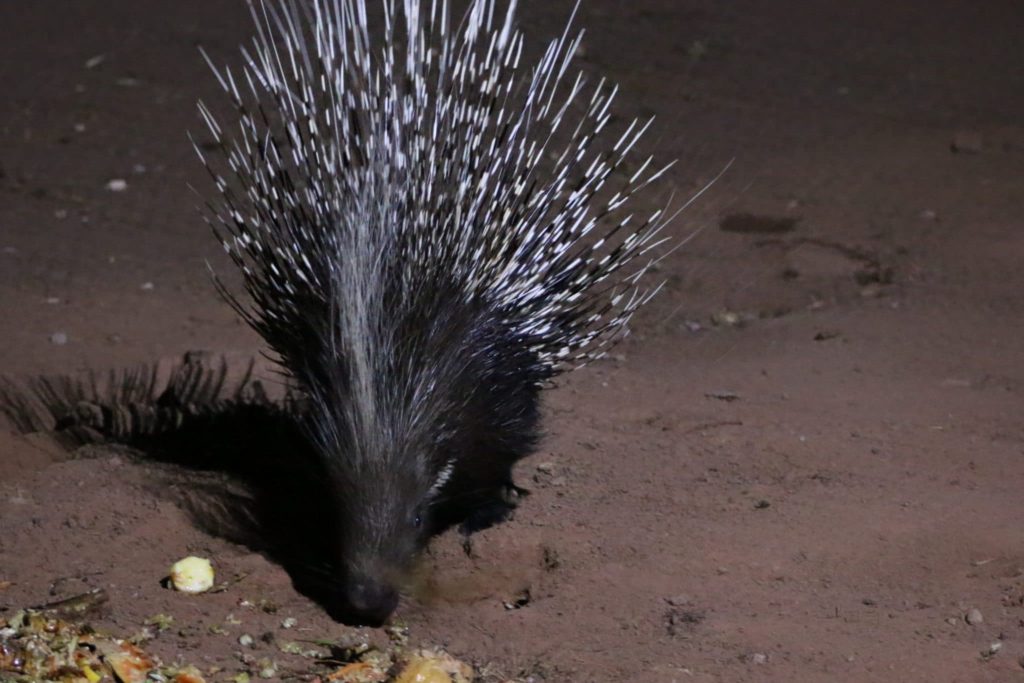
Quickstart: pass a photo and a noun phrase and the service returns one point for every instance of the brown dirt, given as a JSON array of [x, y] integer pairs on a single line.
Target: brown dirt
[[817, 494]]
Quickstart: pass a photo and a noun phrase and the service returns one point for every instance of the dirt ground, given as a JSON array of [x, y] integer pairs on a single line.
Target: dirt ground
[[807, 462]]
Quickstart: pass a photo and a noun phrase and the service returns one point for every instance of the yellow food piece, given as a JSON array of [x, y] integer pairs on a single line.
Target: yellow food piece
[[129, 662], [192, 575], [90, 674], [423, 670], [189, 675]]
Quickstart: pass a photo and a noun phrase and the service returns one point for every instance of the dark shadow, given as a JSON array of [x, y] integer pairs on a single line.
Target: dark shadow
[[237, 461]]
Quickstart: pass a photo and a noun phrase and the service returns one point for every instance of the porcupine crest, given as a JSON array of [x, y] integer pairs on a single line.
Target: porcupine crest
[[428, 232]]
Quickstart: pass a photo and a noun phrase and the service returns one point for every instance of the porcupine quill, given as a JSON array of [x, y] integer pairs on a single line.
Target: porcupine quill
[[428, 232]]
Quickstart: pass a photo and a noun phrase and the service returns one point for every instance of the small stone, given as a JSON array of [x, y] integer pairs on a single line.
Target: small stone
[[245, 640], [994, 648], [146, 286], [759, 658], [727, 396], [680, 600], [546, 467], [290, 622], [52, 300], [117, 185], [267, 669], [974, 617], [966, 142], [59, 338], [726, 319], [871, 291]]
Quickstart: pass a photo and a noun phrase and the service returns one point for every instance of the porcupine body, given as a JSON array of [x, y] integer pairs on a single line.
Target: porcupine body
[[428, 231]]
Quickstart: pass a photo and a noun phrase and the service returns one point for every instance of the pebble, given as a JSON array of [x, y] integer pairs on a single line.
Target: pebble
[[117, 185], [974, 617], [871, 291], [726, 319], [245, 640], [290, 622], [967, 141], [267, 669], [146, 286], [759, 658], [59, 338]]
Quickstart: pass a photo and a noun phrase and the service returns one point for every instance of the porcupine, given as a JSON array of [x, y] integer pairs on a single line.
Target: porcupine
[[427, 233]]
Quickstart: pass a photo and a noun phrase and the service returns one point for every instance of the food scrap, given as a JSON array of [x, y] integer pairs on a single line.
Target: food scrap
[[37, 646], [56, 646], [192, 575]]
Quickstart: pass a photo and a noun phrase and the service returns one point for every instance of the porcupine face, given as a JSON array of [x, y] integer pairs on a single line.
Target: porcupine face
[[423, 436]]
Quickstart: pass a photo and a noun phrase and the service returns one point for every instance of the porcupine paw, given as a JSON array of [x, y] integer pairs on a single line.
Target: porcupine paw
[[495, 510]]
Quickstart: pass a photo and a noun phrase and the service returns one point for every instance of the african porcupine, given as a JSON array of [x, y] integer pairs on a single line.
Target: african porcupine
[[428, 234]]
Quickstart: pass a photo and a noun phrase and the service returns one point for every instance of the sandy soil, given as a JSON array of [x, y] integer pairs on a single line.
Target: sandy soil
[[819, 492]]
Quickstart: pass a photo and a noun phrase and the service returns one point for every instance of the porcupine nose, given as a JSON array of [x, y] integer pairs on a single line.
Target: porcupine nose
[[370, 602]]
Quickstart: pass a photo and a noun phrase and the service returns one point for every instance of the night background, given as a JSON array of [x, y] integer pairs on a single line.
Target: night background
[[806, 462]]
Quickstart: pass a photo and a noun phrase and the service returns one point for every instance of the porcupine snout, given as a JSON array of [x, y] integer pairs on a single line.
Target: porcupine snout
[[368, 600]]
